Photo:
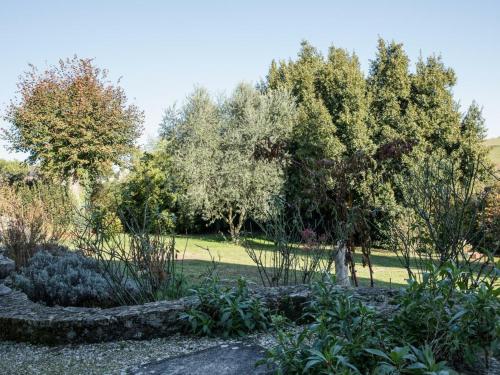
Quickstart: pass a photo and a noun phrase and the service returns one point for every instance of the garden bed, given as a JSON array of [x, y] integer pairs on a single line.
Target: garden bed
[[25, 321]]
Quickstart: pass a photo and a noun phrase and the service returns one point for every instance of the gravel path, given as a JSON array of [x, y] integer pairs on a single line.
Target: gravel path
[[104, 358], [118, 357]]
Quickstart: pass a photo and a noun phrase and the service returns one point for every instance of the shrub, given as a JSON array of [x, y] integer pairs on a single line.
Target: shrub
[[64, 278], [151, 183], [440, 222], [454, 318], [226, 310], [334, 342], [440, 318], [299, 253], [33, 217], [489, 220], [13, 172], [409, 360], [143, 256], [337, 314]]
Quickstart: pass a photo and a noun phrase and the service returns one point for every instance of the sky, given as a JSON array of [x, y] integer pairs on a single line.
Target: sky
[[162, 50]]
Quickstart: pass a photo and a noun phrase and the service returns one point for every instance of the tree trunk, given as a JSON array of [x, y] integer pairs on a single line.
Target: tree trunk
[[230, 222], [234, 228], [352, 265], [76, 191], [241, 221], [341, 267]]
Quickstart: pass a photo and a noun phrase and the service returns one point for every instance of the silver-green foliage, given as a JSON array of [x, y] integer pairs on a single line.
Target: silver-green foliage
[[66, 279], [231, 153]]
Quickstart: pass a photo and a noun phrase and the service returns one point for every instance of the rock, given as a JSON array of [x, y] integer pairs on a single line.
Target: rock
[[7, 266], [220, 360], [4, 290]]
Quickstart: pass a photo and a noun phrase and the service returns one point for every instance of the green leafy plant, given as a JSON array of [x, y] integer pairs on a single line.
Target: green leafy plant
[[336, 313], [226, 310], [290, 353], [334, 341], [409, 360], [331, 361], [455, 318], [439, 318]]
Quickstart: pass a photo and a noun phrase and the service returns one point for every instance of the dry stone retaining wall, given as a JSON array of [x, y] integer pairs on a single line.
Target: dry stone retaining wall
[[24, 320], [7, 266]]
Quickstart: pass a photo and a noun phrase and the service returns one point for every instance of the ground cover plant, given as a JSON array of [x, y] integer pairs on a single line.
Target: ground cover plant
[[457, 319]]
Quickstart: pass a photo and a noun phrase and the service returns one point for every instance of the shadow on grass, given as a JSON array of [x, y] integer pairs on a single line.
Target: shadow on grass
[[256, 240], [376, 258], [196, 270], [260, 243], [211, 237]]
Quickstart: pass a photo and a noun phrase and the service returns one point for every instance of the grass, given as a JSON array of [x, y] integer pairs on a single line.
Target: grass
[[233, 261], [494, 147], [198, 252]]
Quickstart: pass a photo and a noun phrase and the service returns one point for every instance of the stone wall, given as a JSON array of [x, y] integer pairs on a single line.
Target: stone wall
[[7, 266], [24, 320]]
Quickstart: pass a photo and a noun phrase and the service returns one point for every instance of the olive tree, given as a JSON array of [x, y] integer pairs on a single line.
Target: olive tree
[[231, 152]]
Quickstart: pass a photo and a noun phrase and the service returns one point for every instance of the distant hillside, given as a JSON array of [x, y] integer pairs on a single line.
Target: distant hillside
[[494, 145]]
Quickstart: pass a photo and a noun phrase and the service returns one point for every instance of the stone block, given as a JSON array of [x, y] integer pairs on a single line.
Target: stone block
[[7, 266]]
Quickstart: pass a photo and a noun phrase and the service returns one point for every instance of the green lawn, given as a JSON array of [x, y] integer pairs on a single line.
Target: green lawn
[[233, 261], [494, 146]]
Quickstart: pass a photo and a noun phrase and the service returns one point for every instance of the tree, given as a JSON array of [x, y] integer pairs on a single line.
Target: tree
[[471, 141], [437, 115], [151, 185], [389, 84], [331, 146], [342, 87], [356, 137], [72, 121], [12, 172], [231, 154]]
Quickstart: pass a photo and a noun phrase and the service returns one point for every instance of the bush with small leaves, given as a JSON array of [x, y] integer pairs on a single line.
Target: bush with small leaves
[[64, 278]]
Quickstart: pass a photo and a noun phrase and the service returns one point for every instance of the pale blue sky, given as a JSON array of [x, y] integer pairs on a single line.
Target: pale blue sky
[[163, 49]]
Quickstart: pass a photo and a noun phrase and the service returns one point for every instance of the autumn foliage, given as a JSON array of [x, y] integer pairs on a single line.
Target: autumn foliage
[[72, 120]]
